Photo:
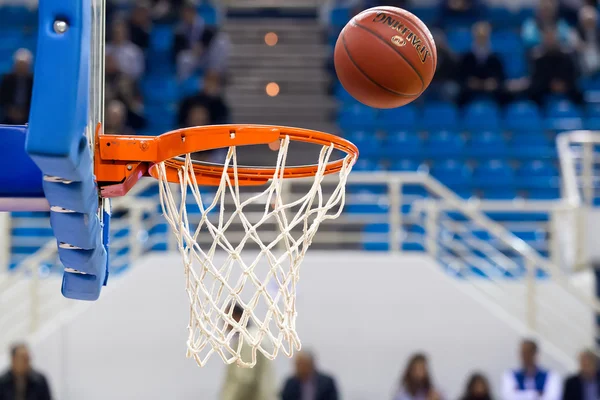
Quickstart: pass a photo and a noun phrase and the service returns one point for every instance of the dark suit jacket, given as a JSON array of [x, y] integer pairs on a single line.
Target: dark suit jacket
[[325, 388], [37, 387], [8, 93], [574, 389]]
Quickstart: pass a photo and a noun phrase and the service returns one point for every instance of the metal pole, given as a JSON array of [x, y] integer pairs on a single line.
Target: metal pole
[[396, 230], [530, 293]]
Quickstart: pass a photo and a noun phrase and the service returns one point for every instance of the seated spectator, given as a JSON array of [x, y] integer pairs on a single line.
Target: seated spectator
[[481, 70], [569, 9], [198, 46], [122, 88], [530, 381], [308, 383], [477, 388], [210, 97], [588, 41], [16, 88], [140, 25], [585, 385], [546, 16], [129, 57], [416, 383], [444, 85], [554, 71], [21, 381], [115, 120], [166, 10]]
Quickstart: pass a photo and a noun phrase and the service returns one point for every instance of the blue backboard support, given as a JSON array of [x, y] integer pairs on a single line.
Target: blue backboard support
[[66, 107]]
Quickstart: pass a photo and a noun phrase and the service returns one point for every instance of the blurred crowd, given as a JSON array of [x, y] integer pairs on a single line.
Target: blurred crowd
[[561, 45], [196, 50], [528, 381]]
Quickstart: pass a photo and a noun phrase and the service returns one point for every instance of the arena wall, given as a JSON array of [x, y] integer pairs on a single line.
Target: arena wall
[[362, 313]]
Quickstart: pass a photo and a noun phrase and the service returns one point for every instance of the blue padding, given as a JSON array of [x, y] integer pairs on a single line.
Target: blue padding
[[57, 143], [19, 176], [59, 104], [80, 230], [81, 197]]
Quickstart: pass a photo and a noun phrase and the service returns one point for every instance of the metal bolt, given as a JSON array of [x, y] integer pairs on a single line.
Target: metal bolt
[[60, 26], [129, 168]]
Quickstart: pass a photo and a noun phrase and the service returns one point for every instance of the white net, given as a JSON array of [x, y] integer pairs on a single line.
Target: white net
[[261, 283]]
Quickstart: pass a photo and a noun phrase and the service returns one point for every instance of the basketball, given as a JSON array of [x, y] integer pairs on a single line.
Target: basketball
[[385, 57]]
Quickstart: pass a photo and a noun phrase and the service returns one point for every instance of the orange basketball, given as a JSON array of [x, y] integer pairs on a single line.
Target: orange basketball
[[385, 57]]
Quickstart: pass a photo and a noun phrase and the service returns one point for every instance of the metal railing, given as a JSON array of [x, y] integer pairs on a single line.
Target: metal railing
[[30, 295], [526, 287]]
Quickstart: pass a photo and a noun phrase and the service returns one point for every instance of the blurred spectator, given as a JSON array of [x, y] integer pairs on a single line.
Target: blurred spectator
[[416, 383], [198, 46], [308, 383], [477, 388], [530, 381], [444, 84], [197, 115], [585, 385], [554, 71], [569, 9], [209, 97], [129, 57], [16, 88], [166, 10], [588, 40], [546, 17], [140, 24], [257, 383], [122, 88], [21, 381], [115, 120], [481, 70]]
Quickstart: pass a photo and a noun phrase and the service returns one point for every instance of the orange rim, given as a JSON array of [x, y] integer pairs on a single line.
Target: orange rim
[[121, 160]]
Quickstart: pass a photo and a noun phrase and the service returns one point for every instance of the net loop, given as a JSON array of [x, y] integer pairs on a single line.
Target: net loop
[[261, 280]]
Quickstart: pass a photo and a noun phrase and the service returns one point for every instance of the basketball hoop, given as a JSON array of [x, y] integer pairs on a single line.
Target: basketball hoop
[[215, 282]]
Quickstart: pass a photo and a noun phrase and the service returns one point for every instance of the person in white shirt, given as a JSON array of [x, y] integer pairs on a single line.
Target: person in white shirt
[[531, 382]]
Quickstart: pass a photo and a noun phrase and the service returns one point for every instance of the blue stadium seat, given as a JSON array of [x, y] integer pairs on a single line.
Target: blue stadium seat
[[364, 164], [501, 17], [406, 166], [507, 41], [487, 144], [501, 193], [460, 40], [493, 174], [445, 144], [537, 174], [343, 96], [439, 116], [398, 118], [369, 145], [452, 173], [404, 144], [356, 116], [190, 86], [161, 38], [531, 145], [515, 64], [522, 116], [159, 89], [563, 115], [209, 14], [481, 116], [339, 16]]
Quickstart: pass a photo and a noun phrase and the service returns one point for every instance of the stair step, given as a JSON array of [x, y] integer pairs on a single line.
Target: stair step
[[275, 24], [260, 76]]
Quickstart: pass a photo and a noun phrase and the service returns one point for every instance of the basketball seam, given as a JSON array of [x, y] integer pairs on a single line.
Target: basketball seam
[[384, 40], [392, 91], [430, 41]]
